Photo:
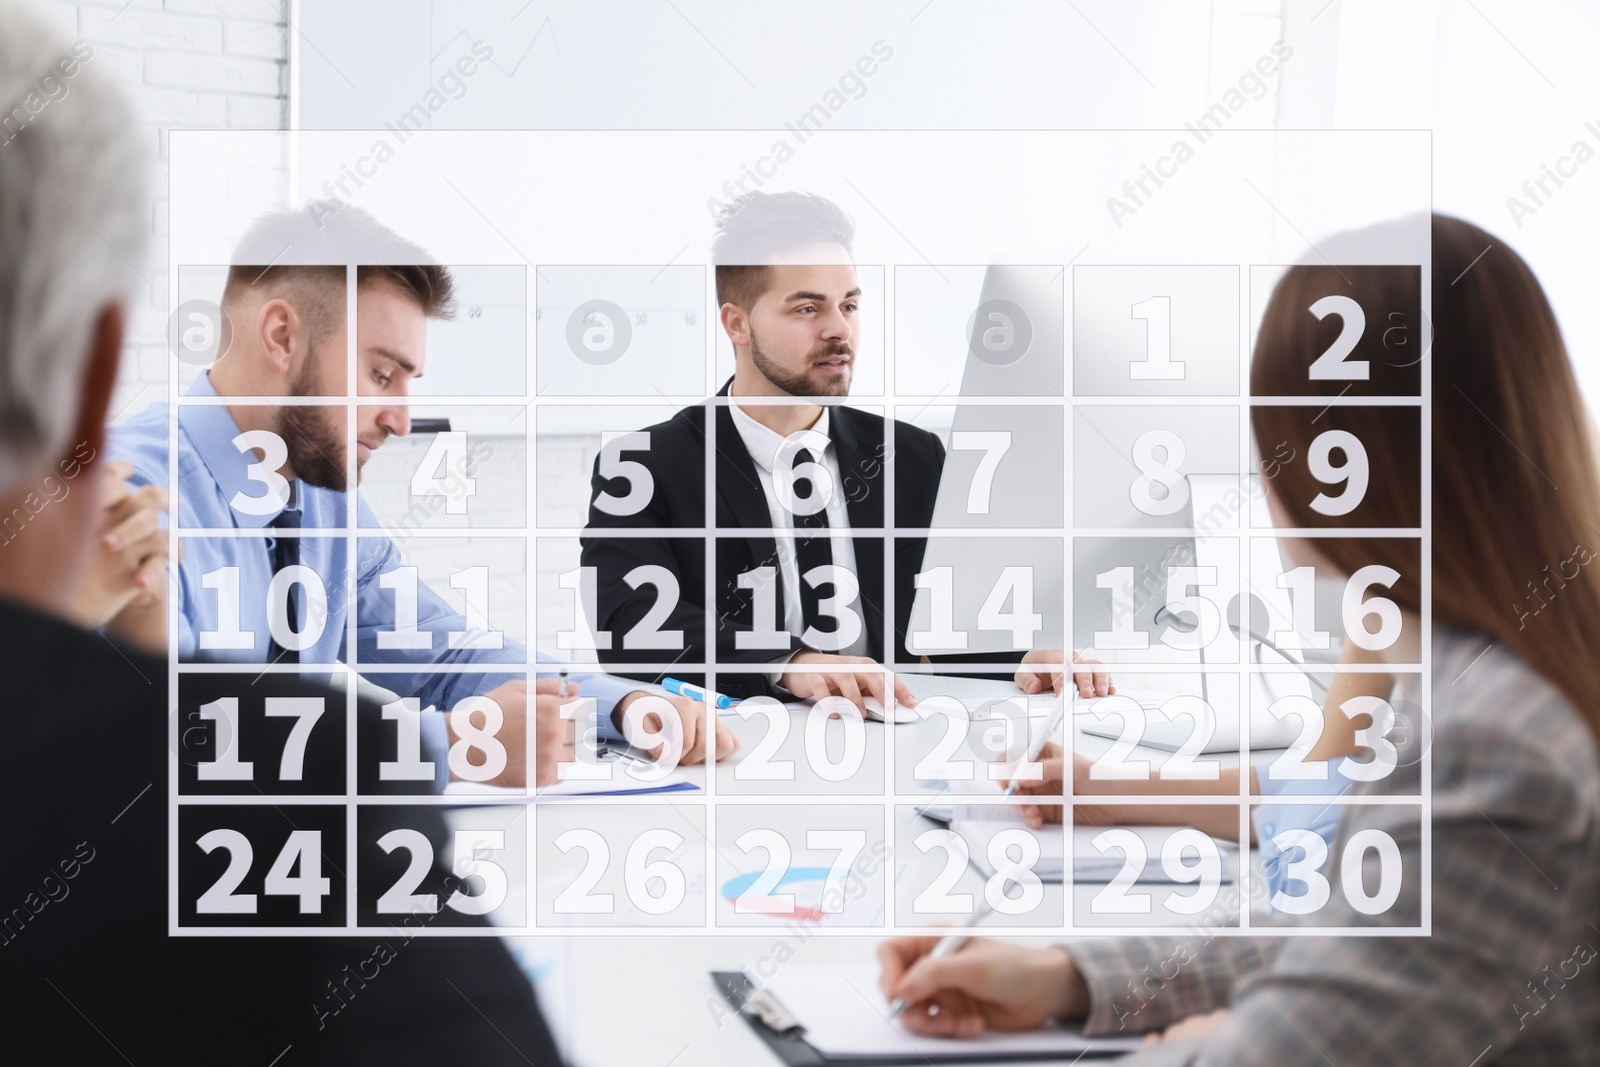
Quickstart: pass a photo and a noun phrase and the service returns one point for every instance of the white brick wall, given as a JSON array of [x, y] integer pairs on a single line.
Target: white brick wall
[[189, 64], [222, 64]]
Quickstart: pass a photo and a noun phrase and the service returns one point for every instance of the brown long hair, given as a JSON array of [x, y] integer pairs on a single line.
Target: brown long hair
[[1516, 498]]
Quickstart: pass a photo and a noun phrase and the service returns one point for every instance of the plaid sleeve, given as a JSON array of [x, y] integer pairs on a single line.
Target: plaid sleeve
[[1145, 983], [1166, 1054], [1513, 847]]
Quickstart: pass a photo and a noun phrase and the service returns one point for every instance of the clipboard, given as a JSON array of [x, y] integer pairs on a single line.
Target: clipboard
[[786, 1037]]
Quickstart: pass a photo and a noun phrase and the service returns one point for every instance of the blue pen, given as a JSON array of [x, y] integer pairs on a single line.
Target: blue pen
[[694, 692]]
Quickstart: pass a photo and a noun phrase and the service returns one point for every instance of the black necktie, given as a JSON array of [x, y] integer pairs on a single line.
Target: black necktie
[[812, 548], [286, 553]]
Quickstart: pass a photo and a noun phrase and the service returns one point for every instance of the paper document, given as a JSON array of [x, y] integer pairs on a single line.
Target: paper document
[[622, 782], [978, 823], [845, 1018], [1089, 863]]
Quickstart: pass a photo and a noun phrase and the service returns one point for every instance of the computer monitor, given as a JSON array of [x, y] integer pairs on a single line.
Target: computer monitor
[[1135, 595], [1013, 348], [1121, 587]]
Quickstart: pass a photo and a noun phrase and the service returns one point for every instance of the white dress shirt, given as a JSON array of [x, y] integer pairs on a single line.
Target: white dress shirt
[[768, 448]]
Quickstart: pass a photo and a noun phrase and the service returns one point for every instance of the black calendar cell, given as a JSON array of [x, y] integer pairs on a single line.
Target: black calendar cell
[[416, 873], [624, 600], [1336, 480], [1328, 590], [1355, 330], [798, 588], [259, 734], [394, 756], [261, 865]]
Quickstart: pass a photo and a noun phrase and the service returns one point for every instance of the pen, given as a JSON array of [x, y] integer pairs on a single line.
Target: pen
[[948, 945], [694, 692], [1036, 746]]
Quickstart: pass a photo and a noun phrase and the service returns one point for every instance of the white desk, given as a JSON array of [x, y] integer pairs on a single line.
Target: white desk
[[646, 998]]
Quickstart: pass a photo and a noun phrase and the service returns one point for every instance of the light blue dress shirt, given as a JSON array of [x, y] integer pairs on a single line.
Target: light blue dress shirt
[[223, 582], [1320, 816]]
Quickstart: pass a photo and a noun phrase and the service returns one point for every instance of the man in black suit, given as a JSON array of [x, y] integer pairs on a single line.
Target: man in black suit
[[87, 969], [803, 595]]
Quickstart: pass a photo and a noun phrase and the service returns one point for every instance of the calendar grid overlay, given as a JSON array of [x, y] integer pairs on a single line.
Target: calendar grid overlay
[[725, 798]]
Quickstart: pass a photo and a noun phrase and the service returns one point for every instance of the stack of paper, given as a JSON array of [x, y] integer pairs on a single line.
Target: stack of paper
[[846, 1017], [629, 776], [1089, 863], [978, 823]]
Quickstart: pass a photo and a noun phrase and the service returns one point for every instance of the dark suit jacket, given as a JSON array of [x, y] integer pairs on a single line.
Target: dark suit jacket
[[676, 461], [88, 972]]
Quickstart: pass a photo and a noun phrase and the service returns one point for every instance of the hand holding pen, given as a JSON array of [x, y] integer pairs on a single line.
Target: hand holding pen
[[987, 985], [948, 945]]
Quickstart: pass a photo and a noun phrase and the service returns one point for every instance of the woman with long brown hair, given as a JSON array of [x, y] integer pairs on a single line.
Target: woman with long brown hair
[[1507, 975]]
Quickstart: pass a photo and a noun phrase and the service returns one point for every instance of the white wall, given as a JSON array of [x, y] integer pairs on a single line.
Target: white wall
[[207, 64], [1508, 89], [730, 64]]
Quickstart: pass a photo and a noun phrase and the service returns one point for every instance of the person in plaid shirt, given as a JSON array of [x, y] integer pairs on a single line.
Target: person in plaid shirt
[[1508, 975]]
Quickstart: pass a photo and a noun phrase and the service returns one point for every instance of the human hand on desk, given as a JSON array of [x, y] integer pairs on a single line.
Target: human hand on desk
[[691, 715], [807, 684], [1218, 820], [987, 985], [1092, 682], [553, 736]]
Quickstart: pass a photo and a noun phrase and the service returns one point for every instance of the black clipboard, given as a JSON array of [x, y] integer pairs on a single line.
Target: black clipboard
[[793, 1049]]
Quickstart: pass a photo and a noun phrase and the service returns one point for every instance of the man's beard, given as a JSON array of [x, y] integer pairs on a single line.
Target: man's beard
[[801, 384], [313, 437]]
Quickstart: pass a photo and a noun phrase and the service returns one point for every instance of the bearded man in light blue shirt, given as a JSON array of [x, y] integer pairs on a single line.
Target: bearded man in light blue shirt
[[257, 451]]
